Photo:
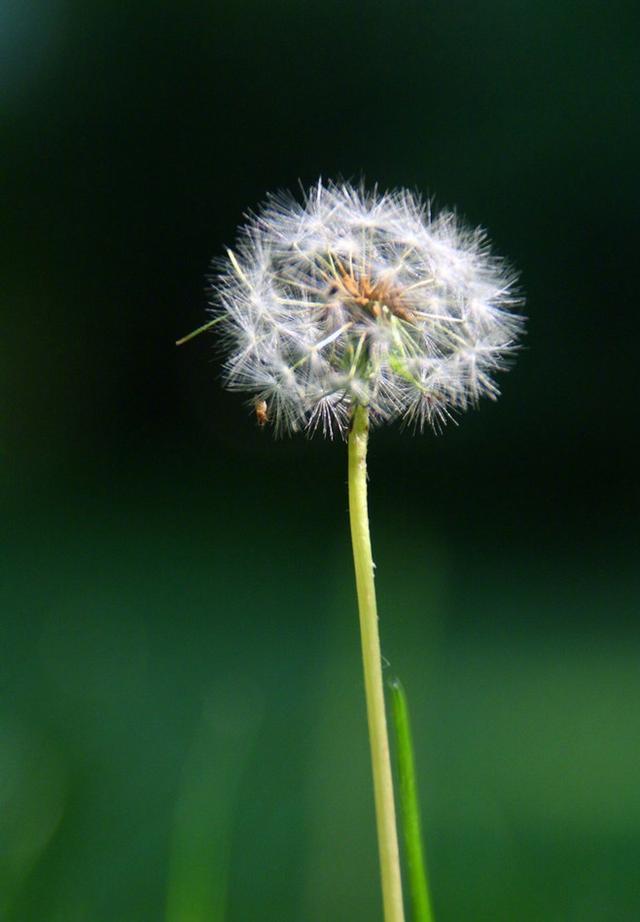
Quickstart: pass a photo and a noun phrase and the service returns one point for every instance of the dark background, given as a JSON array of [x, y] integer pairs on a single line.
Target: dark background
[[182, 732]]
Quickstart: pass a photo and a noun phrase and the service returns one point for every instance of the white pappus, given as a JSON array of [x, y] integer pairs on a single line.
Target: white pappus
[[354, 297]]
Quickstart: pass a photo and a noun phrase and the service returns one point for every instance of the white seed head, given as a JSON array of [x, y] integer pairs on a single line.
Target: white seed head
[[363, 298]]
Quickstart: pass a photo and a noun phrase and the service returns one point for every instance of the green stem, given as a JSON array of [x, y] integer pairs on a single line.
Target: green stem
[[378, 738], [409, 806]]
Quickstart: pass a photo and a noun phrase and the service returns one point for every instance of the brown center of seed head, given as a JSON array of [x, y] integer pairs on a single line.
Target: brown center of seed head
[[369, 295]]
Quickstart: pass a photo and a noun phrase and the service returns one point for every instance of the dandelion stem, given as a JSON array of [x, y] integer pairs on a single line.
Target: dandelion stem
[[378, 737]]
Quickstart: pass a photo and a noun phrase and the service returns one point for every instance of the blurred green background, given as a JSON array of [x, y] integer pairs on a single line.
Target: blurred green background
[[182, 733]]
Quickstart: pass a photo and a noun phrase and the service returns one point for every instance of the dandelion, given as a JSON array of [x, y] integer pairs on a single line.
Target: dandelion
[[352, 308], [353, 298]]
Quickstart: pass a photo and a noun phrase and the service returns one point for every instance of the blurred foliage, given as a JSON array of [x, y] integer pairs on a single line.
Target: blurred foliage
[[181, 721]]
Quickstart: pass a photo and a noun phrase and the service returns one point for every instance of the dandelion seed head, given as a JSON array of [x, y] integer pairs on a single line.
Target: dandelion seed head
[[353, 297]]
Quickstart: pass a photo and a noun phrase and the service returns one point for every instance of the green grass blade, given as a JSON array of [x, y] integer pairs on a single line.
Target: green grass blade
[[409, 807]]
